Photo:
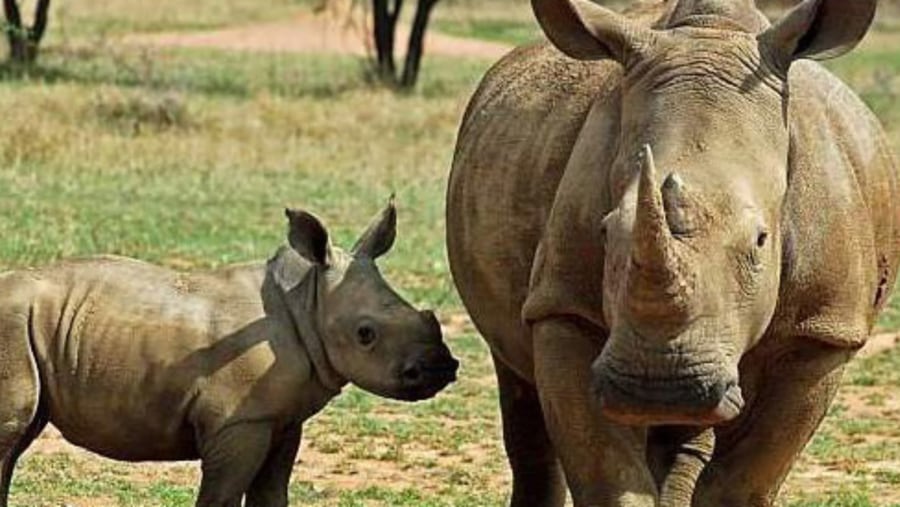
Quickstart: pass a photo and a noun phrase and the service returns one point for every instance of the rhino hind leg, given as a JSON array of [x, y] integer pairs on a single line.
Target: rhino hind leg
[[230, 460], [21, 420], [270, 486], [537, 476]]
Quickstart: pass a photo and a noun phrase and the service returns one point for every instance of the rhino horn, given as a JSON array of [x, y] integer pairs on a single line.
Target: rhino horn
[[651, 236], [658, 281], [677, 205]]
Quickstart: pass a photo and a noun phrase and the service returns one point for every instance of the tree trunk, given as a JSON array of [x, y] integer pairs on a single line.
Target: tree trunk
[[416, 43], [24, 41], [385, 26]]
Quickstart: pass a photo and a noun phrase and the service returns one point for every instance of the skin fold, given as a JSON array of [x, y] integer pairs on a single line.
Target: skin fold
[[141, 363], [674, 230]]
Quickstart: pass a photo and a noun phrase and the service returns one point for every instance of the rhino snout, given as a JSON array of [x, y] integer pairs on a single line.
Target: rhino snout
[[424, 376], [705, 398]]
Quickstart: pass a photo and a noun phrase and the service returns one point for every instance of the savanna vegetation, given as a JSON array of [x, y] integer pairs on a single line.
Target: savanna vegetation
[[186, 157]]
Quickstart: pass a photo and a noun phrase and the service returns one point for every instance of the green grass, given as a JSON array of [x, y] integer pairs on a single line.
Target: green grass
[[842, 499], [188, 158], [496, 30], [490, 20], [98, 19]]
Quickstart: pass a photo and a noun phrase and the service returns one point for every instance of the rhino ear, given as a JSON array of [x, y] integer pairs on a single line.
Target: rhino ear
[[380, 235], [819, 30], [586, 31], [288, 269], [308, 237]]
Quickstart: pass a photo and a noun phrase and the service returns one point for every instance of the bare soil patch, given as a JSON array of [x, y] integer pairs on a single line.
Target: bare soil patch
[[880, 343], [307, 32]]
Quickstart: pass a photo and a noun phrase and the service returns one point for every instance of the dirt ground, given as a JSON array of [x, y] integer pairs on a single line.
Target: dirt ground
[[344, 31]]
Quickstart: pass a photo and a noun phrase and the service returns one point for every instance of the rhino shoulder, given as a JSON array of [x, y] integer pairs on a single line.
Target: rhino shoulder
[[513, 147], [841, 218], [574, 234]]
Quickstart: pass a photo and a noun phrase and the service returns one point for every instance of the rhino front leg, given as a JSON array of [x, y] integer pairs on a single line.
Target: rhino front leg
[[604, 463], [677, 456], [231, 458], [270, 487], [537, 476], [21, 417], [793, 388]]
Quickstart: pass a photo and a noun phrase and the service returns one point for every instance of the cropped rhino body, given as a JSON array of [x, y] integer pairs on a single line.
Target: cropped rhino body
[[137, 362], [673, 240]]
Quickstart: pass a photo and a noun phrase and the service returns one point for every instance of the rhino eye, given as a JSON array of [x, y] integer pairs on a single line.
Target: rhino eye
[[366, 335], [762, 239]]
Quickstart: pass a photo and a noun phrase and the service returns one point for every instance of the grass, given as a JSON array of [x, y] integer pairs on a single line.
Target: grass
[[100, 18], [186, 158], [189, 161], [490, 20], [852, 460]]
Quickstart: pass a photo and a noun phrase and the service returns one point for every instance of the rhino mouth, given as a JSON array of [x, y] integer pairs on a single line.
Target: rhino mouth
[[424, 380], [695, 400]]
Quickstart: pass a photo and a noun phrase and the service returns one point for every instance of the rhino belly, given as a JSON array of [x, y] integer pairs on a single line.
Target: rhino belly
[[132, 429], [121, 406]]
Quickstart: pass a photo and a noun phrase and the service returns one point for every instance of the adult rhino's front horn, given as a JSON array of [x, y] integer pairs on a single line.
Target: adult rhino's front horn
[[659, 281]]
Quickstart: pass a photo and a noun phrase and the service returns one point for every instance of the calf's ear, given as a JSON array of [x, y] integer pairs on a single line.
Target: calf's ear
[[819, 30], [380, 235], [308, 237]]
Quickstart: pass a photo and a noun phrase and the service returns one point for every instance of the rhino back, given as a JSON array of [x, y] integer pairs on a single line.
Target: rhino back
[[512, 150], [134, 358]]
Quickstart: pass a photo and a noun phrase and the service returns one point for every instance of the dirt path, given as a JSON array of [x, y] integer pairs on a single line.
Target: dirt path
[[314, 33]]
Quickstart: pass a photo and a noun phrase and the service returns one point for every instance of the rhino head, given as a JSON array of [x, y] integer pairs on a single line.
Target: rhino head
[[354, 326], [695, 240]]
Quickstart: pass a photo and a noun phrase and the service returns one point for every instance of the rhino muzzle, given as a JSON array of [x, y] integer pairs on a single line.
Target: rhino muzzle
[[425, 375], [708, 395]]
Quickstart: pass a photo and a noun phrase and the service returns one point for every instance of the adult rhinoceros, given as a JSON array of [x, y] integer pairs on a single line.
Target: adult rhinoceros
[[675, 213]]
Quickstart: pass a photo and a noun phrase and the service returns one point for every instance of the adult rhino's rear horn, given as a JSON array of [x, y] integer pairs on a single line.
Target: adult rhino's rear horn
[[658, 282], [678, 208]]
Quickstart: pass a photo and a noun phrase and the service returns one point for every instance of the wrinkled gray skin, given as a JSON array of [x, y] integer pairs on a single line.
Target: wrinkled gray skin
[[673, 240], [137, 362]]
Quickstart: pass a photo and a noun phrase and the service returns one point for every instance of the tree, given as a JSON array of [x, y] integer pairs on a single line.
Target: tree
[[386, 14], [24, 40]]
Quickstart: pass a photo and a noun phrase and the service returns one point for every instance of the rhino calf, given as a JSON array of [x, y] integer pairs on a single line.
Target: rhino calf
[[141, 363]]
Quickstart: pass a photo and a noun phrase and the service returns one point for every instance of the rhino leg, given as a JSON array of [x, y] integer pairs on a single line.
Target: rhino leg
[[537, 476], [231, 458], [604, 463], [677, 456], [794, 387], [270, 487], [20, 418]]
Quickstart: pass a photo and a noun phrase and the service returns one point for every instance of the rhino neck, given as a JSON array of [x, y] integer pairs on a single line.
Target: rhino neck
[[302, 308]]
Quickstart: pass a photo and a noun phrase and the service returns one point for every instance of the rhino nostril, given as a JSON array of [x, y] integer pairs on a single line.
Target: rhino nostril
[[411, 374]]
